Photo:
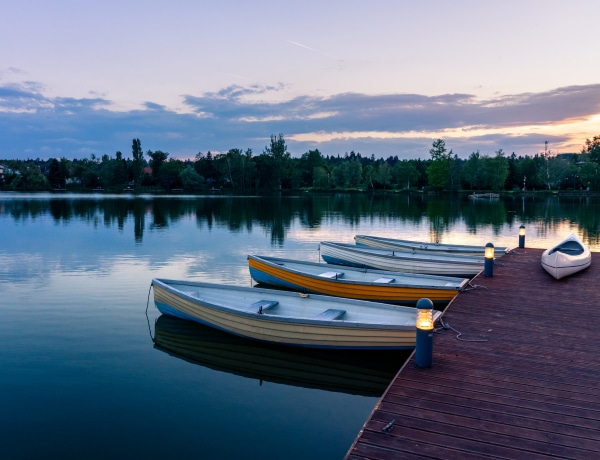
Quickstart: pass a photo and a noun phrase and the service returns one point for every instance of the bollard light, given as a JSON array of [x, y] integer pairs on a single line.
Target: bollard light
[[522, 236], [424, 342], [488, 264]]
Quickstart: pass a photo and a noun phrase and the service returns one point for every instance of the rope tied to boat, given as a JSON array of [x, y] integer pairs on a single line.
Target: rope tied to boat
[[148, 319], [471, 286], [446, 326]]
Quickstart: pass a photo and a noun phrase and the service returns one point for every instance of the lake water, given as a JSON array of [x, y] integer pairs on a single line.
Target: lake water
[[82, 378]]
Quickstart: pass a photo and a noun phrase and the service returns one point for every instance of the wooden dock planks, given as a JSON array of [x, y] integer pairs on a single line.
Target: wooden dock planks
[[520, 382]]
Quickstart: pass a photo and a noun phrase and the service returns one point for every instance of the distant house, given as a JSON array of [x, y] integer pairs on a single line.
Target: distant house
[[6, 170], [148, 170]]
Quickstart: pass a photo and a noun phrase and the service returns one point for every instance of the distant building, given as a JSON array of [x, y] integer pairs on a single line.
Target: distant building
[[6, 170]]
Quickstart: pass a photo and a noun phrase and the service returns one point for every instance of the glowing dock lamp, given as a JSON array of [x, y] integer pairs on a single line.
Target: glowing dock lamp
[[424, 346], [488, 264], [522, 236]]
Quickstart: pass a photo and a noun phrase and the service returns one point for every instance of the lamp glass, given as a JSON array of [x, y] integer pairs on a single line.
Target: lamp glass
[[425, 318], [489, 251], [521, 230]]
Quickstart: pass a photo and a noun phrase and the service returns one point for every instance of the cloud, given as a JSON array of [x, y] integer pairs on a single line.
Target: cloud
[[32, 125]]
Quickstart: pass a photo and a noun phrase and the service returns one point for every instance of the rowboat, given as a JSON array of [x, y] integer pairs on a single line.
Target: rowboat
[[366, 373], [423, 247], [567, 257], [401, 261], [484, 196], [289, 318], [354, 283]]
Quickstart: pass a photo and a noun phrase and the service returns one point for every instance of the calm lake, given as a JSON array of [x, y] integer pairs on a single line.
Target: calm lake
[[81, 376]]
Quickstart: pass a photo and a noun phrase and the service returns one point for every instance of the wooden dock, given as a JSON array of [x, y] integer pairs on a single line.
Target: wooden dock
[[521, 381]]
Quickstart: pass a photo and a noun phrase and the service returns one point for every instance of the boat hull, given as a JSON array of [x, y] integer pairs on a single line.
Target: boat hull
[[373, 285], [401, 261], [389, 327]]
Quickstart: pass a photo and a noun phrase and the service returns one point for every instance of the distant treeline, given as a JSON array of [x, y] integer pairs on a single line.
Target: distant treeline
[[275, 169]]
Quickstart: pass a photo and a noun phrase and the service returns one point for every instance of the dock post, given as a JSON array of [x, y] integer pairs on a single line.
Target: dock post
[[424, 343], [522, 236], [488, 267]]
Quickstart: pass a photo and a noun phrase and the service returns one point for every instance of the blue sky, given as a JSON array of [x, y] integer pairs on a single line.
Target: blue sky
[[381, 77]]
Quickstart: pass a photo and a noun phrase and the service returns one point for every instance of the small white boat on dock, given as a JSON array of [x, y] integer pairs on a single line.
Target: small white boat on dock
[[567, 257]]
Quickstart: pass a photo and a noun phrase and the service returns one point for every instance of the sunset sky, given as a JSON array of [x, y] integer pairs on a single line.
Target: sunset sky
[[379, 78]]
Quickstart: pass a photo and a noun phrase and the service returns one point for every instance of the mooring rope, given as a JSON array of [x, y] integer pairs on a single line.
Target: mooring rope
[[473, 286], [148, 319], [458, 336]]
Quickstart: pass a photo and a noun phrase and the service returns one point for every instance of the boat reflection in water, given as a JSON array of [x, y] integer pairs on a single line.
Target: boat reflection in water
[[357, 372]]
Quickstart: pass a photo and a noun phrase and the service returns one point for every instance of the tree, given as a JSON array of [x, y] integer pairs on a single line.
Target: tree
[[156, 162], [120, 169], [307, 164], [235, 167], [31, 179], [86, 171], [370, 173], [588, 173], [497, 170], [473, 172], [405, 173], [320, 177], [205, 166], [57, 174], [384, 174], [279, 156], [137, 165], [169, 174], [337, 175], [438, 171], [592, 148], [191, 181], [248, 169], [353, 173]]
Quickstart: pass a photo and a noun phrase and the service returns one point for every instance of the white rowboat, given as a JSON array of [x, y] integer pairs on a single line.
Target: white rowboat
[[567, 257], [424, 247], [401, 261], [289, 318]]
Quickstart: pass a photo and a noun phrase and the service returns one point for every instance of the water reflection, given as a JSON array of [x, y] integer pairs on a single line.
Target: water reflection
[[352, 372], [275, 214]]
